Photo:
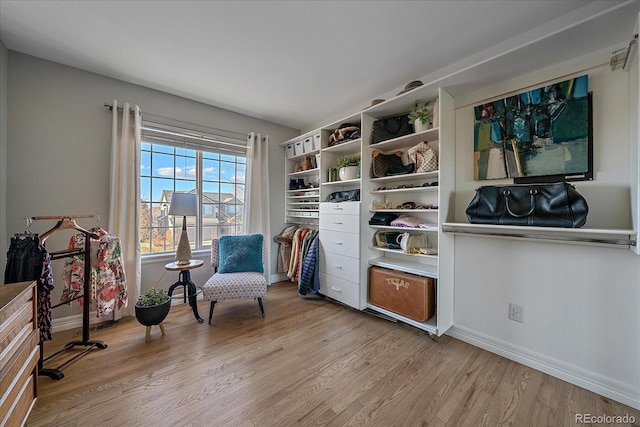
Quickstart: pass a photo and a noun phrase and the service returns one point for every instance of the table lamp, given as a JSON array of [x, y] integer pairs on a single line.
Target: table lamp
[[185, 204]]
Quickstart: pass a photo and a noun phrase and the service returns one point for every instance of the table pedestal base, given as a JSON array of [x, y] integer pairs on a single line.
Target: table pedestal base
[[190, 292]]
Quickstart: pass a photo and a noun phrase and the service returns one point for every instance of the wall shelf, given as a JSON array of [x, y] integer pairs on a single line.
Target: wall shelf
[[622, 238]]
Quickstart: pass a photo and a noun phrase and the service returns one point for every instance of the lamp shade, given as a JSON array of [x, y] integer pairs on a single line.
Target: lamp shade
[[184, 204]]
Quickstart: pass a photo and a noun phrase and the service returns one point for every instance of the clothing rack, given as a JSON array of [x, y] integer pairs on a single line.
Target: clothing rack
[[301, 222], [68, 222]]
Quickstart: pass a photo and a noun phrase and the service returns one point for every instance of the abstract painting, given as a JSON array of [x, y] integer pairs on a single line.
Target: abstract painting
[[543, 132]]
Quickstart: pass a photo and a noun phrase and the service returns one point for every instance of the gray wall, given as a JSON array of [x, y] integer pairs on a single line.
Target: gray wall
[[581, 316], [58, 151], [4, 56]]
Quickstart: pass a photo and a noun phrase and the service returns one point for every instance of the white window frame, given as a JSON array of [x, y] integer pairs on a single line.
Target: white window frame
[[224, 144]]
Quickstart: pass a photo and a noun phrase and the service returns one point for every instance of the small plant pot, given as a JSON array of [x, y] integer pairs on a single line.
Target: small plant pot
[[153, 314], [418, 126], [348, 172]]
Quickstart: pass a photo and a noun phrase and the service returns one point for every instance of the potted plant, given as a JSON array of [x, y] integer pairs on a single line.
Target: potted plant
[[347, 167], [421, 116], [152, 307]]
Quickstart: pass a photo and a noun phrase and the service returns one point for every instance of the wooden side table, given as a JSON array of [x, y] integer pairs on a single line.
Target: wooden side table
[[184, 280]]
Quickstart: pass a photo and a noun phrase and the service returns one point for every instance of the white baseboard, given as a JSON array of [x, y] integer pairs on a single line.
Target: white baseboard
[[591, 381], [278, 277], [75, 321]]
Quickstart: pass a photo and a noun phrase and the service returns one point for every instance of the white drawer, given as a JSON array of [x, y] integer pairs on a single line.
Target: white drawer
[[350, 208], [340, 266], [340, 243], [339, 222], [341, 290]]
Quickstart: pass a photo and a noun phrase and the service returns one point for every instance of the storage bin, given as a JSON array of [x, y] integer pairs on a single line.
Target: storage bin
[[403, 293], [298, 148], [289, 151], [308, 145], [316, 141]]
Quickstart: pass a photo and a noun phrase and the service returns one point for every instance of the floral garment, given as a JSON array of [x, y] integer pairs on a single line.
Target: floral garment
[[45, 286], [108, 280]]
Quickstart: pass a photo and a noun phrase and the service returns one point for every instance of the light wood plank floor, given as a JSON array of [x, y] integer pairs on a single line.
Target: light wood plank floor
[[308, 362]]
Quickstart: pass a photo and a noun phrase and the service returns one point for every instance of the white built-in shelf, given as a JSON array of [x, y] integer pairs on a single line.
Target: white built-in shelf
[[412, 176], [623, 238], [404, 210], [304, 190], [430, 325], [401, 252], [309, 214], [391, 227], [312, 196], [338, 183], [344, 147], [405, 190], [304, 173], [406, 265], [303, 155], [402, 142]]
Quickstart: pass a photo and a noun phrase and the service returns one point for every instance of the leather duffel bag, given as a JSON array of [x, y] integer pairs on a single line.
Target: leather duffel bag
[[542, 205]]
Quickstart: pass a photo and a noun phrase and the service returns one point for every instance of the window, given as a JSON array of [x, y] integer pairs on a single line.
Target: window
[[173, 161]]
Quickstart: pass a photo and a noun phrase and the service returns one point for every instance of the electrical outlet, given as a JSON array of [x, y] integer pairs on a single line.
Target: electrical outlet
[[516, 312]]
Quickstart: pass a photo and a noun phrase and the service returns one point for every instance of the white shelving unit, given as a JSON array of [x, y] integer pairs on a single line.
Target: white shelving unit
[[302, 204], [431, 189]]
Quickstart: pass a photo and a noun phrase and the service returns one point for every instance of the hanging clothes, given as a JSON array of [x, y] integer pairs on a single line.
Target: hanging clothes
[[309, 270], [108, 279], [298, 254], [285, 239], [45, 286], [28, 260], [295, 250], [24, 259]]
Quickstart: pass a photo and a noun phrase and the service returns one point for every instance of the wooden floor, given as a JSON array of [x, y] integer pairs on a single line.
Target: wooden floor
[[308, 362]]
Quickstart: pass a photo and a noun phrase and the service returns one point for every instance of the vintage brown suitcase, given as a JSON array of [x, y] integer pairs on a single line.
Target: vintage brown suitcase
[[403, 293]]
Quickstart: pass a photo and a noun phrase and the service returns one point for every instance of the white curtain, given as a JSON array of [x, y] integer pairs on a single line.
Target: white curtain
[[124, 195], [257, 218]]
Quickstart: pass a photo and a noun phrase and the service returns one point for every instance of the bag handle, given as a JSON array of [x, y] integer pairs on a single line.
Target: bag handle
[[376, 153], [532, 194]]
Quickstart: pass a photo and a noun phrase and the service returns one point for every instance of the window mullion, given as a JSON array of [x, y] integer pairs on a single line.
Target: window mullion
[[200, 218]]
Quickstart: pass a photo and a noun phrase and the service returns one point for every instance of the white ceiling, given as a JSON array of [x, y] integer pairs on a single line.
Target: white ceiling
[[293, 62]]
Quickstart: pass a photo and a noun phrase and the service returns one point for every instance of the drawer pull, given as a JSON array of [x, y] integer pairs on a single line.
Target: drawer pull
[[338, 243], [337, 223], [337, 208], [333, 288], [336, 265]]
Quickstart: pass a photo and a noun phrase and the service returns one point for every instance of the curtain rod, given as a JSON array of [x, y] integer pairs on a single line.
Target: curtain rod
[[178, 123]]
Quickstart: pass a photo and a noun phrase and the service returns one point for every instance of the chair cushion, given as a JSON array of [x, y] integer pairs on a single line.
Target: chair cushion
[[234, 286], [241, 254]]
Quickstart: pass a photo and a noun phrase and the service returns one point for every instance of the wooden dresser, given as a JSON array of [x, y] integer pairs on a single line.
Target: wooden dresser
[[19, 352]]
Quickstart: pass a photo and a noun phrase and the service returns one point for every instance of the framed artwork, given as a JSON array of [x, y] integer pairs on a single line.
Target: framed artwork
[[541, 135]]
